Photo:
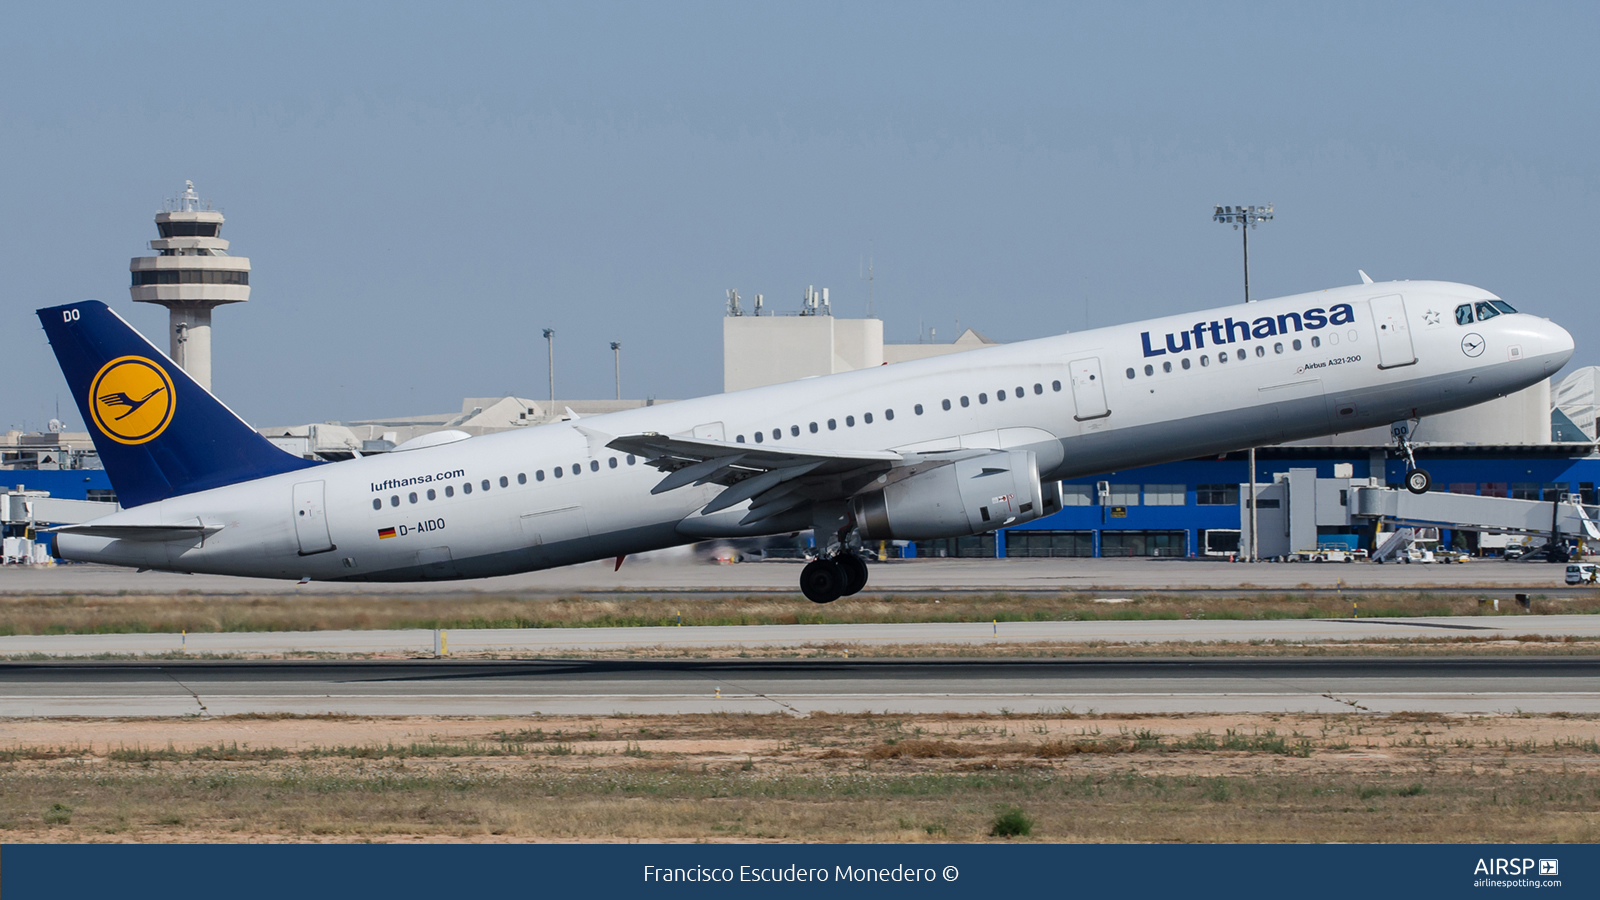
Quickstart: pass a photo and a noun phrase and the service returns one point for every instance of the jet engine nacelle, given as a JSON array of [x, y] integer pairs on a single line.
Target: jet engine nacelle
[[968, 496]]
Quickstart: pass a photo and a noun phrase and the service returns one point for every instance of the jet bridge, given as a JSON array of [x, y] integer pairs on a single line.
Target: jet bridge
[[1298, 507]]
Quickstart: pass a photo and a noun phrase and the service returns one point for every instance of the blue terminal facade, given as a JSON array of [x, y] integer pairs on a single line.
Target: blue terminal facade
[[1192, 507]]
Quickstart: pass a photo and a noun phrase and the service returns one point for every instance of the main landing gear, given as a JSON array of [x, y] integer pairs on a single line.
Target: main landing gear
[[827, 579], [1418, 481]]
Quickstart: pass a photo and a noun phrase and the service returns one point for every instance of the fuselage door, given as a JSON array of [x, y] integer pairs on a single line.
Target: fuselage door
[[1394, 334], [310, 520], [1088, 389], [711, 431]]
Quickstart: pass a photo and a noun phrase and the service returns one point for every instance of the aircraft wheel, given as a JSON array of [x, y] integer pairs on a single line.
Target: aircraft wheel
[[822, 581], [855, 572], [1418, 481]]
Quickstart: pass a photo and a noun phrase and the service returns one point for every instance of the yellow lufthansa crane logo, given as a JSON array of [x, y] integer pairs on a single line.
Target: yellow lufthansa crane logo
[[131, 399]]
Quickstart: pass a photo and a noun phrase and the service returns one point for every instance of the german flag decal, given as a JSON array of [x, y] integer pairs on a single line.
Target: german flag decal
[[385, 533]]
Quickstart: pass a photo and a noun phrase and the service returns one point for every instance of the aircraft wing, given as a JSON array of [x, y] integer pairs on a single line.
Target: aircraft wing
[[773, 479]]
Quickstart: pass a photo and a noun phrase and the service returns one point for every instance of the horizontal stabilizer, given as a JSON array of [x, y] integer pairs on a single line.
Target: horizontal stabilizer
[[150, 533]]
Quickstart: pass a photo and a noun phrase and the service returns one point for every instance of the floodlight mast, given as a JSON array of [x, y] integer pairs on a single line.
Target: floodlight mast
[[550, 338], [616, 353], [1243, 219]]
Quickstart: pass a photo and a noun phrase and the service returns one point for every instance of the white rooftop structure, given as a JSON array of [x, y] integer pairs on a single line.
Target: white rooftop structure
[[762, 346]]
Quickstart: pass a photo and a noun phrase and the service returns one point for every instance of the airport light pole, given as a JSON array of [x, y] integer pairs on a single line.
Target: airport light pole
[[550, 339], [616, 352], [1244, 219]]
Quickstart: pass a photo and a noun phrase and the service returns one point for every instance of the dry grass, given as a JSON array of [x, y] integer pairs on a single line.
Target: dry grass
[[195, 612], [1406, 777]]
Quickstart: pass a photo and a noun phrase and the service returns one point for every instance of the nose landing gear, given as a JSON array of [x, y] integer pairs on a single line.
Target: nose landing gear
[[827, 579], [1418, 481]]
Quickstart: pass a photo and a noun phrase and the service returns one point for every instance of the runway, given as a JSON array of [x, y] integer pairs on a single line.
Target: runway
[[680, 572], [521, 688], [551, 641]]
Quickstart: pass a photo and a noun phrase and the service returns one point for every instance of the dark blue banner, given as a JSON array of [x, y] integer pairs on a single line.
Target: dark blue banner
[[658, 870]]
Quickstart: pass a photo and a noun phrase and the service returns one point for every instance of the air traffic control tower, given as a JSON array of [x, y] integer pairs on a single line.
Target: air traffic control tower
[[191, 275]]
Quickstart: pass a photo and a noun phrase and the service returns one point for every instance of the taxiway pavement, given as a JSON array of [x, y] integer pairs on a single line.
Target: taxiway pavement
[[520, 688], [555, 641]]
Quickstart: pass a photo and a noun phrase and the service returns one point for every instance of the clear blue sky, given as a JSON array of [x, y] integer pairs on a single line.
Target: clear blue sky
[[422, 188]]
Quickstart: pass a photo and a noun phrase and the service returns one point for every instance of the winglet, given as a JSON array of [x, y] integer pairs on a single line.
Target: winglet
[[597, 439], [1365, 278]]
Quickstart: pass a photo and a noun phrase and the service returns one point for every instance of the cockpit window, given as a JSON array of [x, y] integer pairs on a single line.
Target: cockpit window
[[1486, 311], [1503, 306], [1464, 314]]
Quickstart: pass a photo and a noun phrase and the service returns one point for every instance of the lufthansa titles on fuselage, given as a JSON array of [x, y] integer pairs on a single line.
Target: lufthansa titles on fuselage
[[1231, 330]]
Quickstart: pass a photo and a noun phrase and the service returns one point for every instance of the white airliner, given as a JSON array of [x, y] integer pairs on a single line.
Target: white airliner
[[940, 447]]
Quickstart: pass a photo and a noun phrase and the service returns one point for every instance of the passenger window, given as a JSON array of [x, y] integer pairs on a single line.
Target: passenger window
[[557, 471], [1020, 392], [866, 418], [412, 497], [1296, 343], [849, 421], [777, 433], [1131, 373], [539, 475], [432, 495], [504, 481], [486, 484], [1239, 355], [1205, 360], [983, 398], [594, 465], [1486, 311], [917, 409], [449, 491], [794, 430], [1001, 394], [1149, 369], [630, 459], [1221, 358], [1278, 347], [466, 488], [1464, 314], [1055, 386], [813, 428], [759, 438], [965, 402], [1316, 342], [1184, 362], [1260, 351], [1038, 388], [1166, 367], [889, 414], [946, 405], [739, 439], [522, 478], [612, 461], [833, 424], [576, 468], [377, 504], [395, 500]]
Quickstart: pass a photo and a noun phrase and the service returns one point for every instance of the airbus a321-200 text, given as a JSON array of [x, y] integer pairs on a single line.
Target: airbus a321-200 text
[[942, 447]]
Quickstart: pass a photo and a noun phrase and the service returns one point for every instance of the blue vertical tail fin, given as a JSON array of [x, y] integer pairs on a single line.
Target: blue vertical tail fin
[[159, 434]]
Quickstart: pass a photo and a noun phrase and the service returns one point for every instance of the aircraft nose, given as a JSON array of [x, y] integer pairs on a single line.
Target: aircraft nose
[[1559, 342]]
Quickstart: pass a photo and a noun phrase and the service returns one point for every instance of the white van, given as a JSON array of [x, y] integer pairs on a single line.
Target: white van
[[1583, 573]]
